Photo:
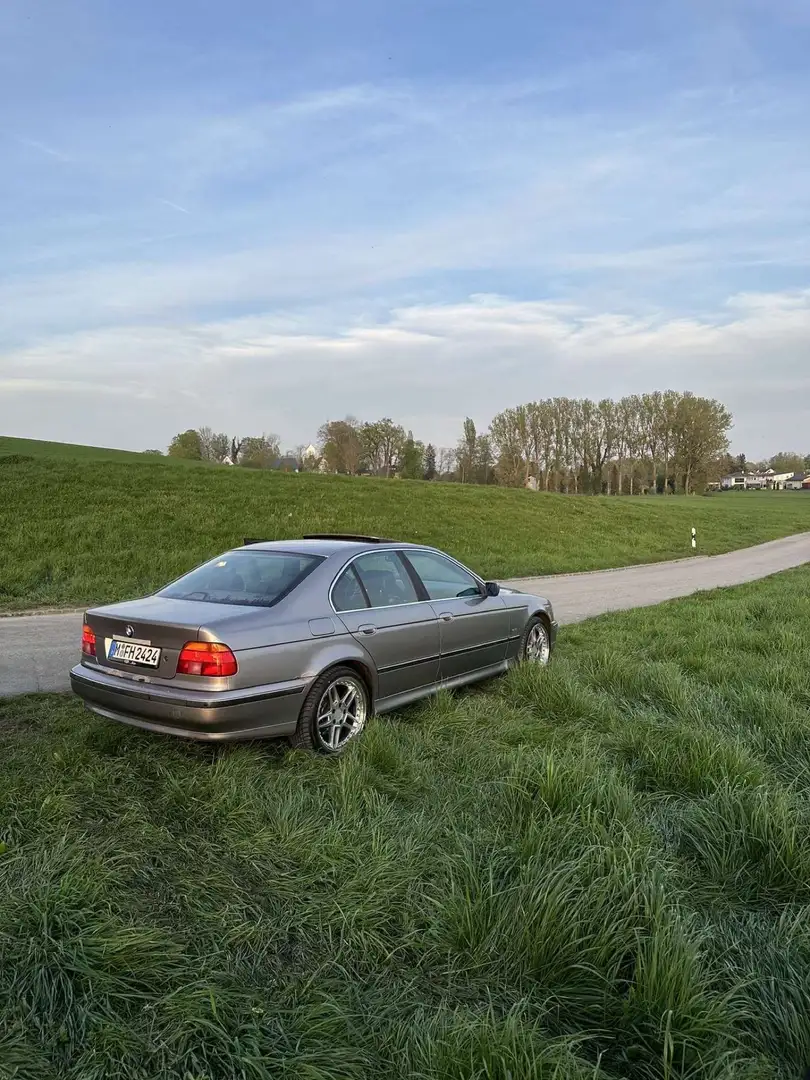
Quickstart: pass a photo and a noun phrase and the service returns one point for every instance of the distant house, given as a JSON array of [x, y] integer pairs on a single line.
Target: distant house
[[733, 482], [766, 479], [287, 463], [797, 481]]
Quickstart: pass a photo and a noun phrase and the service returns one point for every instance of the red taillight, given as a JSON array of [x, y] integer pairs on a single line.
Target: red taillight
[[206, 658], [88, 641]]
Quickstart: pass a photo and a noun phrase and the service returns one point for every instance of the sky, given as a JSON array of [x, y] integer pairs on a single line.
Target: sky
[[260, 216]]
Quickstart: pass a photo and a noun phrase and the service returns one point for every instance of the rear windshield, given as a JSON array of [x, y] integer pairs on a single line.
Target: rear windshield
[[259, 578]]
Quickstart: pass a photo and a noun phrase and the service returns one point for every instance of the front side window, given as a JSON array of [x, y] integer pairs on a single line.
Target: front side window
[[251, 578], [443, 579], [385, 579]]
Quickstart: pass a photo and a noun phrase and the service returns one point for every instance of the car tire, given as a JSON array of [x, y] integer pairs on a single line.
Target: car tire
[[335, 712], [535, 645]]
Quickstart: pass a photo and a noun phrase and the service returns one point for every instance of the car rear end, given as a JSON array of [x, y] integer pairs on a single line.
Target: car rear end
[[177, 679], [201, 668]]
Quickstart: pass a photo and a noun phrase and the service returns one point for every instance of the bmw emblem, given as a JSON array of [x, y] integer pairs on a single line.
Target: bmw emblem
[[130, 631]]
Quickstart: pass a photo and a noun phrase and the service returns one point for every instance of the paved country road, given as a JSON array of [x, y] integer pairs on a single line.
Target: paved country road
[[37, 651]]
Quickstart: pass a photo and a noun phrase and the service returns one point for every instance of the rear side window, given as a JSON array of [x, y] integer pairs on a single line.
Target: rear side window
[[253, 578], [348, 594], [385, 579]]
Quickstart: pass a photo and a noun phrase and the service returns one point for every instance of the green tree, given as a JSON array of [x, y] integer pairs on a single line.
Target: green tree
[[413, 458], [340, 445], [787, 462], [509, 435], [186, 445], [484, 472], [430, 462], [259, 452], [466, 453], [383, 442], [700, 438]]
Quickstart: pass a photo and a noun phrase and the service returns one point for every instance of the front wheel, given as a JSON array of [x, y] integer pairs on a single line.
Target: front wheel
[[535, 646], [334, 713]]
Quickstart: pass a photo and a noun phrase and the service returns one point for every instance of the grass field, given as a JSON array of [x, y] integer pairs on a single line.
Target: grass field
[[82, 531], [595, 872], [68, 451]]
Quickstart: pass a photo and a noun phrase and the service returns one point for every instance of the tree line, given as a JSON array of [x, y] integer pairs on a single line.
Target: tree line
[[664, 441]]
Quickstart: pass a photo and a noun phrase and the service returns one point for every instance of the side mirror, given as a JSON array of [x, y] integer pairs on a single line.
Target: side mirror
[[492, 588]]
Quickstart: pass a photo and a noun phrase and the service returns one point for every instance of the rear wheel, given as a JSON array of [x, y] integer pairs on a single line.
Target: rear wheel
[[535, 646], [334, 713]]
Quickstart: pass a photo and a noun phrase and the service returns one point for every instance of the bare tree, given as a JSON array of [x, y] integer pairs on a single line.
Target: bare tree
[[446, 463], [213, 445]]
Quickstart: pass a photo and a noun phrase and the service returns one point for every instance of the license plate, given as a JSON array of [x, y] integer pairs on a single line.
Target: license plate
[[132, 652]]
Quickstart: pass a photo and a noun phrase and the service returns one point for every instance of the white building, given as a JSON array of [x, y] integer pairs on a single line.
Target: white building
[[756, 481]]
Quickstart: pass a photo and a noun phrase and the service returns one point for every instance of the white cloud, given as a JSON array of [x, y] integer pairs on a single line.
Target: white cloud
[[428, 365], [353, 223]]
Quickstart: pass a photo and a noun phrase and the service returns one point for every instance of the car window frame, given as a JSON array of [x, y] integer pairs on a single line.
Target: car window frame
[[418, 584], [482, 589]]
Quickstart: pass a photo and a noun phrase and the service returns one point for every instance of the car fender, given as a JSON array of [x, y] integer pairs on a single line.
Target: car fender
[[343, 650]]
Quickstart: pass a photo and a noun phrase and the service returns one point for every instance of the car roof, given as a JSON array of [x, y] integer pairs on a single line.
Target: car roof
[[325, 547]]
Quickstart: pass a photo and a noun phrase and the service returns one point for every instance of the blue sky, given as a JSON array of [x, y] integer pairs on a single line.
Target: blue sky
[[260, 215]]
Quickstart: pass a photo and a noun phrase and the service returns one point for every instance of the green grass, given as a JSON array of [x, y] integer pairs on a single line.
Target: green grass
[[37, 448], [90, 531], [600, 871]]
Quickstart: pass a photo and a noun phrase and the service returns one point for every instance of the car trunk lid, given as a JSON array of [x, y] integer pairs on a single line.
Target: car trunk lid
[[153, 623]]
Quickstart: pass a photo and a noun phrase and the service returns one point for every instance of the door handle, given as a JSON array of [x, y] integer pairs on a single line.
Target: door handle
[[367, 628], [446, 616]]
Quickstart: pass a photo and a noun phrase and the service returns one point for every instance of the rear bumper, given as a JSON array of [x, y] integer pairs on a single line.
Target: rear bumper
[[211, 716]]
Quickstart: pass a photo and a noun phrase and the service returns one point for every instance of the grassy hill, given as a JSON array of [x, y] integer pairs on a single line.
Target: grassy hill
[[599, 871], [83, 530], [67, 451]]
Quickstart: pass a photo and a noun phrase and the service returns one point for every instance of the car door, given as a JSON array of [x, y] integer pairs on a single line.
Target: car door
[[380, 605], [473, 627]]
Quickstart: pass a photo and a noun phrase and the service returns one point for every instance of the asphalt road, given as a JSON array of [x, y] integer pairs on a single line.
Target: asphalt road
[[37, 651]]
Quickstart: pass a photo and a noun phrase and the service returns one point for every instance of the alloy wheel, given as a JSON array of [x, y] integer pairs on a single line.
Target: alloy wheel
[[342, 712], [538, 647]]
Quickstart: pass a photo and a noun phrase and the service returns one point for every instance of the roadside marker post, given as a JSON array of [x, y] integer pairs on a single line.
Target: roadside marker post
[[694, 538]]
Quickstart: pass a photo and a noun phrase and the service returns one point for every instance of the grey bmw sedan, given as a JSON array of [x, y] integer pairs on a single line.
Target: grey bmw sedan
[[303, 639]]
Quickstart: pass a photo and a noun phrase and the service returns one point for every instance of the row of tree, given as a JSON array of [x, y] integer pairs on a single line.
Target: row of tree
[[660, 441], [784, 462], [379, 448], [203, 444], [664, 441]]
